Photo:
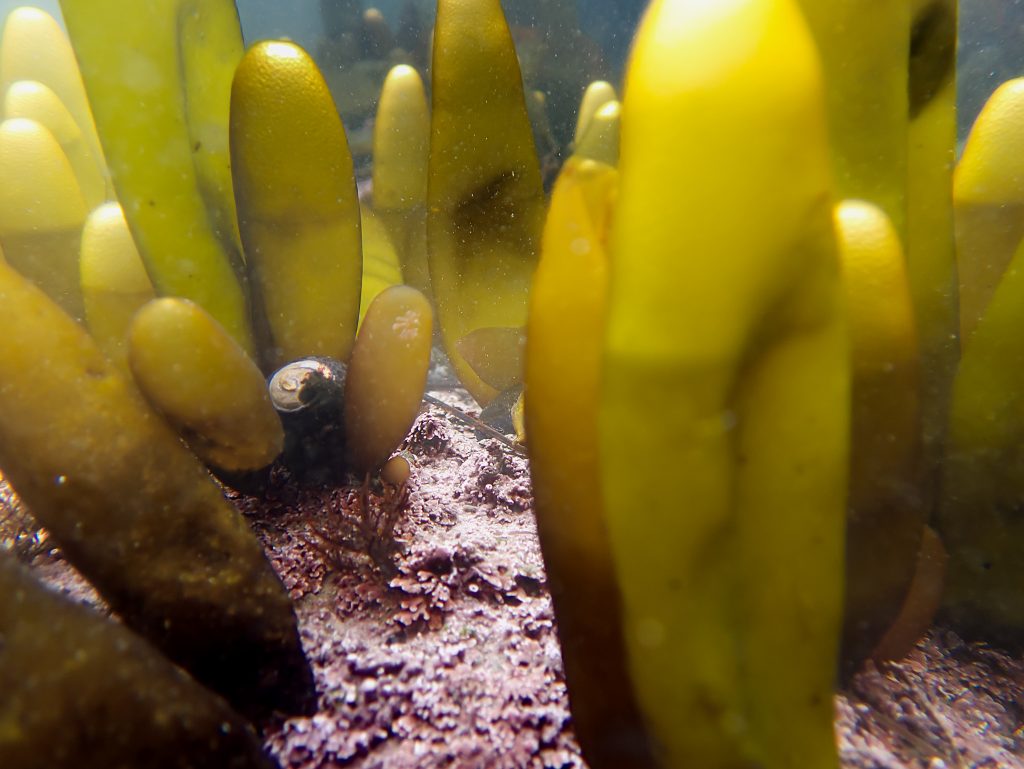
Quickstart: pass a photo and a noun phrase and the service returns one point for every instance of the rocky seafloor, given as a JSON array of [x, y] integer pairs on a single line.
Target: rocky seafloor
[[436, 646]]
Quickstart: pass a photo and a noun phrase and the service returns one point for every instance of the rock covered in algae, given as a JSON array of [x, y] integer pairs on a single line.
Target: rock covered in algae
[[136, 513], [81, 690]]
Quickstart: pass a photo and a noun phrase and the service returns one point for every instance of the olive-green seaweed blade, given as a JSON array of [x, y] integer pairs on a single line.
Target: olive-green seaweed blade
[[864, 47], [386, 375], [930, 244], [983, 485], [158, 75], [565, 337], [136, 513], [485, 200], [401, 145], [216, 397], [34, 48], [82, 690], [595, 96], [726, 370], [382, 267], [114, 280], [41, 211], [297, 203], [35, 101]]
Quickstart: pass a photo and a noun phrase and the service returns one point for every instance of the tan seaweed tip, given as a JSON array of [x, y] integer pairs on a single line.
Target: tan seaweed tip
[[401, 140], [34, 47], [36, 101], [991, 170], [39, 190], [600, 141], [386, 375], [284, 125], [877, 291], [193, 372], [377, 38], [113, 279], [110, 261], [596, 95]]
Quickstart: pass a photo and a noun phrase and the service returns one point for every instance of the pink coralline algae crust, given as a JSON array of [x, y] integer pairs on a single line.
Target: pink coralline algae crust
[[948, 705], [438, 648], [442, 655], [448, 656]]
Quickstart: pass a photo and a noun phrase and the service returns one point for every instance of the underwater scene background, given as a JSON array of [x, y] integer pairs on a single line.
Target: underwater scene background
[[502, 384]]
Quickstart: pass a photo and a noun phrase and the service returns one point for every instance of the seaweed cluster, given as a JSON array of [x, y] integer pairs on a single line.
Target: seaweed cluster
[[757, 275], [105, 385], [759, 301]]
